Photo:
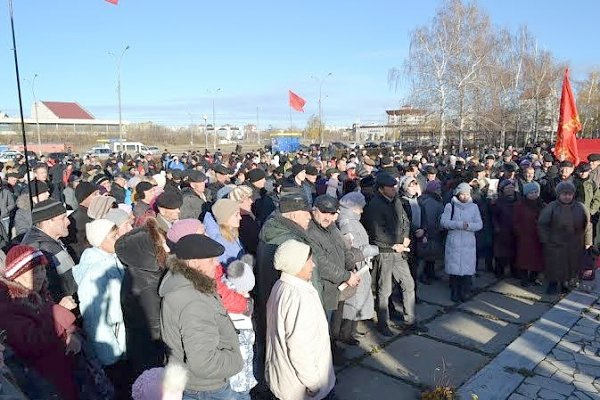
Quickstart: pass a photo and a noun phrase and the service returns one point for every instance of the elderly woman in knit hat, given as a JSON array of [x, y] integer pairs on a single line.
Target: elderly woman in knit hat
[[565, 232], [223, 224], [529, 259], [502, 220], [360, 306], [40, 332], [462, 219], [299, 363], [249, 226], [99, 275]]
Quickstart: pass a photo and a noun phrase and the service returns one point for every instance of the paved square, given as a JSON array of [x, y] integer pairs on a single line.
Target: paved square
[[361, 383], [506, 308], [427, 361], [473, 331]]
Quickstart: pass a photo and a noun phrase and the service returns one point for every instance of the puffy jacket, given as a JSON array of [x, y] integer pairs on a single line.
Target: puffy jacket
[[197, 329], [193, 205], [233, 249]]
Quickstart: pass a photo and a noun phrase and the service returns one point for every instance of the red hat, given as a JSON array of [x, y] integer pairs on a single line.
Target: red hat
[[20, 259]]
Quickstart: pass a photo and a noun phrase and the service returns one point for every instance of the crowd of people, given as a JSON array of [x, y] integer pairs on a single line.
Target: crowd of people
[[249, 273]]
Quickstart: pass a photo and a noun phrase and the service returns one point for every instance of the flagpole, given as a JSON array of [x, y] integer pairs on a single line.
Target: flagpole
[[291, 123], [12, 27]]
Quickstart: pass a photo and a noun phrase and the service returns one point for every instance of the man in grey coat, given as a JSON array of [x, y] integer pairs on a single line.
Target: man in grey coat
[[193, 322]]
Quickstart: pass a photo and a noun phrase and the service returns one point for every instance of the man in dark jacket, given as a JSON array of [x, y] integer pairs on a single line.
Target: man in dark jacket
[[389, 229], [195, 202], [117, 187], [263, 204], [194, 324], [50, 223], [77, 240], [222, 174]]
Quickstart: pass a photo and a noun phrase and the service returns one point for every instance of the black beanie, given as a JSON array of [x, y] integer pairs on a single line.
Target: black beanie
[[255, 175], [47, 209], [83, 190]]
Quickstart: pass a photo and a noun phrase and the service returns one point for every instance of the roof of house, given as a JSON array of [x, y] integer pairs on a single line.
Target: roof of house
[[66, 110]]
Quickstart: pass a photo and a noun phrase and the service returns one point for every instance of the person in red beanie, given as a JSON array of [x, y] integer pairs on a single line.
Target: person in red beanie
[[40, 332]]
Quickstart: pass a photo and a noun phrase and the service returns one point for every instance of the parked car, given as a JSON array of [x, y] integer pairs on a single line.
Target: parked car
[[371, 145], [385, 145], [154, 150], [58, 155], [100, 152], [9, 155]]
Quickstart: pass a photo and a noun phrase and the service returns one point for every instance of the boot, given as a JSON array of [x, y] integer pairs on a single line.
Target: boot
[[499, 268], [552, 288], [464, 287], [454, 287], [347, 332], [383, 323]]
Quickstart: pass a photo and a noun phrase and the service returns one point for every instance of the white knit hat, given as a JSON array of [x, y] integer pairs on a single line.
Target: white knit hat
[[97, 230], [160, 179], [291, 256]]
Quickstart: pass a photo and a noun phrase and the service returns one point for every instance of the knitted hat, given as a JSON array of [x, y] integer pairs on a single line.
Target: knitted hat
[[353, 200], [433, 186], [462, 188], [223, 209], [564, 187], [530, 187], [297, 168], [183, 227], [99, 206], [47, 209], [160, 180], [291, 256], [97, 230], [169, 199], [84, 190], [117, 216], [406, 181], [196, 247], [255, 175], [240, 274], [37, 187], [240, 193], [20, 259]]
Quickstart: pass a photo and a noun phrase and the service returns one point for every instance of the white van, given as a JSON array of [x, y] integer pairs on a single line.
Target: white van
[[100, 151], [131, 147]]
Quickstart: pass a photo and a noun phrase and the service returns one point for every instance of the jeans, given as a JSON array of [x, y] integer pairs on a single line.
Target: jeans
[[393, 266], [224, 393]]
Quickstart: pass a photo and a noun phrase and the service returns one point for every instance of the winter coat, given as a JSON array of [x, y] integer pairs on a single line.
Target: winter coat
[[99, 276], [587, 192], [329, 256], [7, 203], [432, 208], [565, 230], [249, 231], [274, 232], [142, 254], [528, 247], [59, 270], [263, 204], [36, 330], [502, 217], [233, 249], [461, 253], [193, 206], [386, 222], [70, 199], [298, 345], [361, 305], [197, 329], [77, 238], [485, 236], [23, 220]]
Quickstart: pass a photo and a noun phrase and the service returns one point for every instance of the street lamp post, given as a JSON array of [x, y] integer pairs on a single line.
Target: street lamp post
[[37, 122], [213, 93], [257, 128], [321, 81], [205, 132], [118, 62], [191, 129]]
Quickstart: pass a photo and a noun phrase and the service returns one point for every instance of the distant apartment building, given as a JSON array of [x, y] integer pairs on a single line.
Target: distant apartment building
[[407, 116]]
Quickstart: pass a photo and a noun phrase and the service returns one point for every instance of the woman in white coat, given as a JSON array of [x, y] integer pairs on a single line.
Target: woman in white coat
[[298, 363], [461, 219]]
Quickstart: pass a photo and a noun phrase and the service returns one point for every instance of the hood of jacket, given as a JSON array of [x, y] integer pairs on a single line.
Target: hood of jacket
[[180, 277], [142, 248], [347, 213]]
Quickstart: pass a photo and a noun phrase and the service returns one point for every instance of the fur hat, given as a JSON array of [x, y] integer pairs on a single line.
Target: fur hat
[[97, 230], [530, 187], [223, 209], [291, 256], [564, 187]]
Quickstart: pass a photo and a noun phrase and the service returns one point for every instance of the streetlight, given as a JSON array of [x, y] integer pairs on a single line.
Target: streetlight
[[191, 129], [118, 62], [321, 81], [35, 105], [257, 129], [213, 93], [205, 132]]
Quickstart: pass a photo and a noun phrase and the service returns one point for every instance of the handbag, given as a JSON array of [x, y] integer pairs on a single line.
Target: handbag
[[587, 270]]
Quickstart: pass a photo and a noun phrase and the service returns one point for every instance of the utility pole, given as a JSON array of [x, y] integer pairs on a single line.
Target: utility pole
[[205, 132], [118, 62], [321, 81], [35, 105], [191, 129], [257, 128], [213, 93]]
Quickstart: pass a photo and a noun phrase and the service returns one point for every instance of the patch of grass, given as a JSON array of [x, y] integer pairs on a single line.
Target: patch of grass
[[440, 393]]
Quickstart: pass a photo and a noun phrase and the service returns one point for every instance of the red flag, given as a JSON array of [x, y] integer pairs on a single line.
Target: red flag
[[568, 124], [296, 102], [115, 2]]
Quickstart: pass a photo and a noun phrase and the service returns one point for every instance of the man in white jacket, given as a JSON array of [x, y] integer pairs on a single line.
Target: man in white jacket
[[298, 361]]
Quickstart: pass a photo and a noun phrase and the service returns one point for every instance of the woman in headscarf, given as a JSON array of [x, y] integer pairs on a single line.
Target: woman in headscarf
[[565, 232]]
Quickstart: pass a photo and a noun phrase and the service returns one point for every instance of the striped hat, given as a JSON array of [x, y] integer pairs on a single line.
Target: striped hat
[[47, 209], [20, 259]]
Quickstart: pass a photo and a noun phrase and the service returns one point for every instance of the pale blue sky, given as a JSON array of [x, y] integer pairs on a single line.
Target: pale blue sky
[[253, 50]]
